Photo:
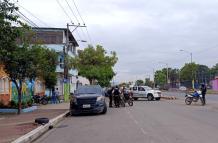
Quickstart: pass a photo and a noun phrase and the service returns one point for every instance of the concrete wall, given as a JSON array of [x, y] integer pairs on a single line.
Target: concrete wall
[[215, 84]]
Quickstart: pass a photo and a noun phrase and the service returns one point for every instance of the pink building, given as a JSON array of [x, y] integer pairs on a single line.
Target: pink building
[[215, 83]]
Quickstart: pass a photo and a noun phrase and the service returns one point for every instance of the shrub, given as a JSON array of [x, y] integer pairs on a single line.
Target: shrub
[[13, 104]]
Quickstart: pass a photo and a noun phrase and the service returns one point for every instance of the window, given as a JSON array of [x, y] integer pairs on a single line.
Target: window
[[134, 88], [1, 86], [141, 89], [6, 85]]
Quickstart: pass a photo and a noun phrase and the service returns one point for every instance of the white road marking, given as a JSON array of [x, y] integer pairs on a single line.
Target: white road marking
[[136, 122]]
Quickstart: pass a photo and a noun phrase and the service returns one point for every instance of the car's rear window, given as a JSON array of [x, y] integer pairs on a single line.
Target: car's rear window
[[89, 90]]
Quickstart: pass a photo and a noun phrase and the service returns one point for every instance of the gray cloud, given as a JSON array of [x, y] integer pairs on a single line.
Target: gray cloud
[[144, 32]]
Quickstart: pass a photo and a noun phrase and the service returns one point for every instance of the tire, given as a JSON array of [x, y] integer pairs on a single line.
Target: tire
[[188, 101], [41, 121], [150, 97], [130, 102], [105, 110], [135, 98], [44, 101]]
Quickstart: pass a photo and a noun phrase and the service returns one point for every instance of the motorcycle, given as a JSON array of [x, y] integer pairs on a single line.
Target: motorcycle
[[128, 99], [40, 99], [194, 98]]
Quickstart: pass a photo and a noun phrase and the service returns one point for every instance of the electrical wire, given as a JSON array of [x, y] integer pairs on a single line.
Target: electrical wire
[[26, 19], [64, 10], [76, 19], [31, 14], [90, 39], [72, 12]]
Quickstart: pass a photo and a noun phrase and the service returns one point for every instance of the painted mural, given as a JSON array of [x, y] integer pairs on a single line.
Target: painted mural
[[27, 91]]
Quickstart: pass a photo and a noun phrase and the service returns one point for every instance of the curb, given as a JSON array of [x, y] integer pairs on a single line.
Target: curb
[[169, 97], [34, 134]]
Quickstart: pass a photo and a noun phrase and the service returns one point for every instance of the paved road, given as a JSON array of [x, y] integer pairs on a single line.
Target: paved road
[[145, 122], [209, 97]]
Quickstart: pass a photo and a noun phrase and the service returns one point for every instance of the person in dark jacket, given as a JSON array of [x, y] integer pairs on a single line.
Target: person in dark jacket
[[109, 92], [116, 93], [203, 92]]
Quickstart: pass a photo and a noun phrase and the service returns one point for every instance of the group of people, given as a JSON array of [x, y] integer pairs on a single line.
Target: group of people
[[55, 96], [115, 94]]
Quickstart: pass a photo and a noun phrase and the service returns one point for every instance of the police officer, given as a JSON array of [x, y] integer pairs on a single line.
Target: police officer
[[203, 92], [116, 93], [109, 92]]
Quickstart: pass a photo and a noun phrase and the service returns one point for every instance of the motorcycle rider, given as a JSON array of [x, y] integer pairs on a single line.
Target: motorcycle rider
[[203, 92], [116, 93]]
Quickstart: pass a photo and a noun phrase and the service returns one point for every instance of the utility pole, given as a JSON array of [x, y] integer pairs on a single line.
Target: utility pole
[[66, 47]]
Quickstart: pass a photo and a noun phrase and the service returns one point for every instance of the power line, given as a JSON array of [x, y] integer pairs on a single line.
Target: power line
[[64, 11], [78, 11], [31, 13], [82, 21], [75, 17], [22, 16], [72, 11]]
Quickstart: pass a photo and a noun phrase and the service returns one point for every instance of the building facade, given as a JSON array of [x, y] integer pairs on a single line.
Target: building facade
[[56, 39]]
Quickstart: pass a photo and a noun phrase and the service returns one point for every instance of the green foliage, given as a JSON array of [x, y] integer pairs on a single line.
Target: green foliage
[[139, 82], [23, 61], [188, 72], [148, 82], [160, 78], [214, 70], [45, 62], [95, 64]]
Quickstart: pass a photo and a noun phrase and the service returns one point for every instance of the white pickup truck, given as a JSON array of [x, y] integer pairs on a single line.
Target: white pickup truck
[[145, 92]]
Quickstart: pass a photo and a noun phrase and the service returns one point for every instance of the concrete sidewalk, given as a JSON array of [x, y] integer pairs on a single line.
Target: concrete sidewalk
[[13, 126]]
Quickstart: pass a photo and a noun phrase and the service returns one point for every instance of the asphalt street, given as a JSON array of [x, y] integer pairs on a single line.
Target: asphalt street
[[181, 95], [165, 121]]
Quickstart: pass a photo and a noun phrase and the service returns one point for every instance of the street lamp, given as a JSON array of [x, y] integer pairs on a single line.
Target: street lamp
[[188, 53]]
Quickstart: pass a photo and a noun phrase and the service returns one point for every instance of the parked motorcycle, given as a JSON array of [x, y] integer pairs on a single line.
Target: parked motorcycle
[[194, 98], [128, 98], [40, 99]]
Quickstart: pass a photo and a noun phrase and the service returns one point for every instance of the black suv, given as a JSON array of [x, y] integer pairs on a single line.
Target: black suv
[[88, 99]]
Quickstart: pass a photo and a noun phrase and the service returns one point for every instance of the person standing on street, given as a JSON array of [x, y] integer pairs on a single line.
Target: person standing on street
[[57, 96], [203, 92], [116, 93], [109, 92]]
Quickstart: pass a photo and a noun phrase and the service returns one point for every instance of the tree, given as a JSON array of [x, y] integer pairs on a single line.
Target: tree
[[160, 78], [45, 62], [95, 64], [214, 71], [139, 82], [9, 50], [202, 74], [148, 82], [21, 61], [173, 76]]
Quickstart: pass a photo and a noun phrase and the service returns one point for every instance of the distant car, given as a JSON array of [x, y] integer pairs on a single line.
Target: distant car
[[145, 92], [182, 88], [88, 99]]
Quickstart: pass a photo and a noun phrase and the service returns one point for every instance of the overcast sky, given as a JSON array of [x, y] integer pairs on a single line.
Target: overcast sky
[[142, 32]]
